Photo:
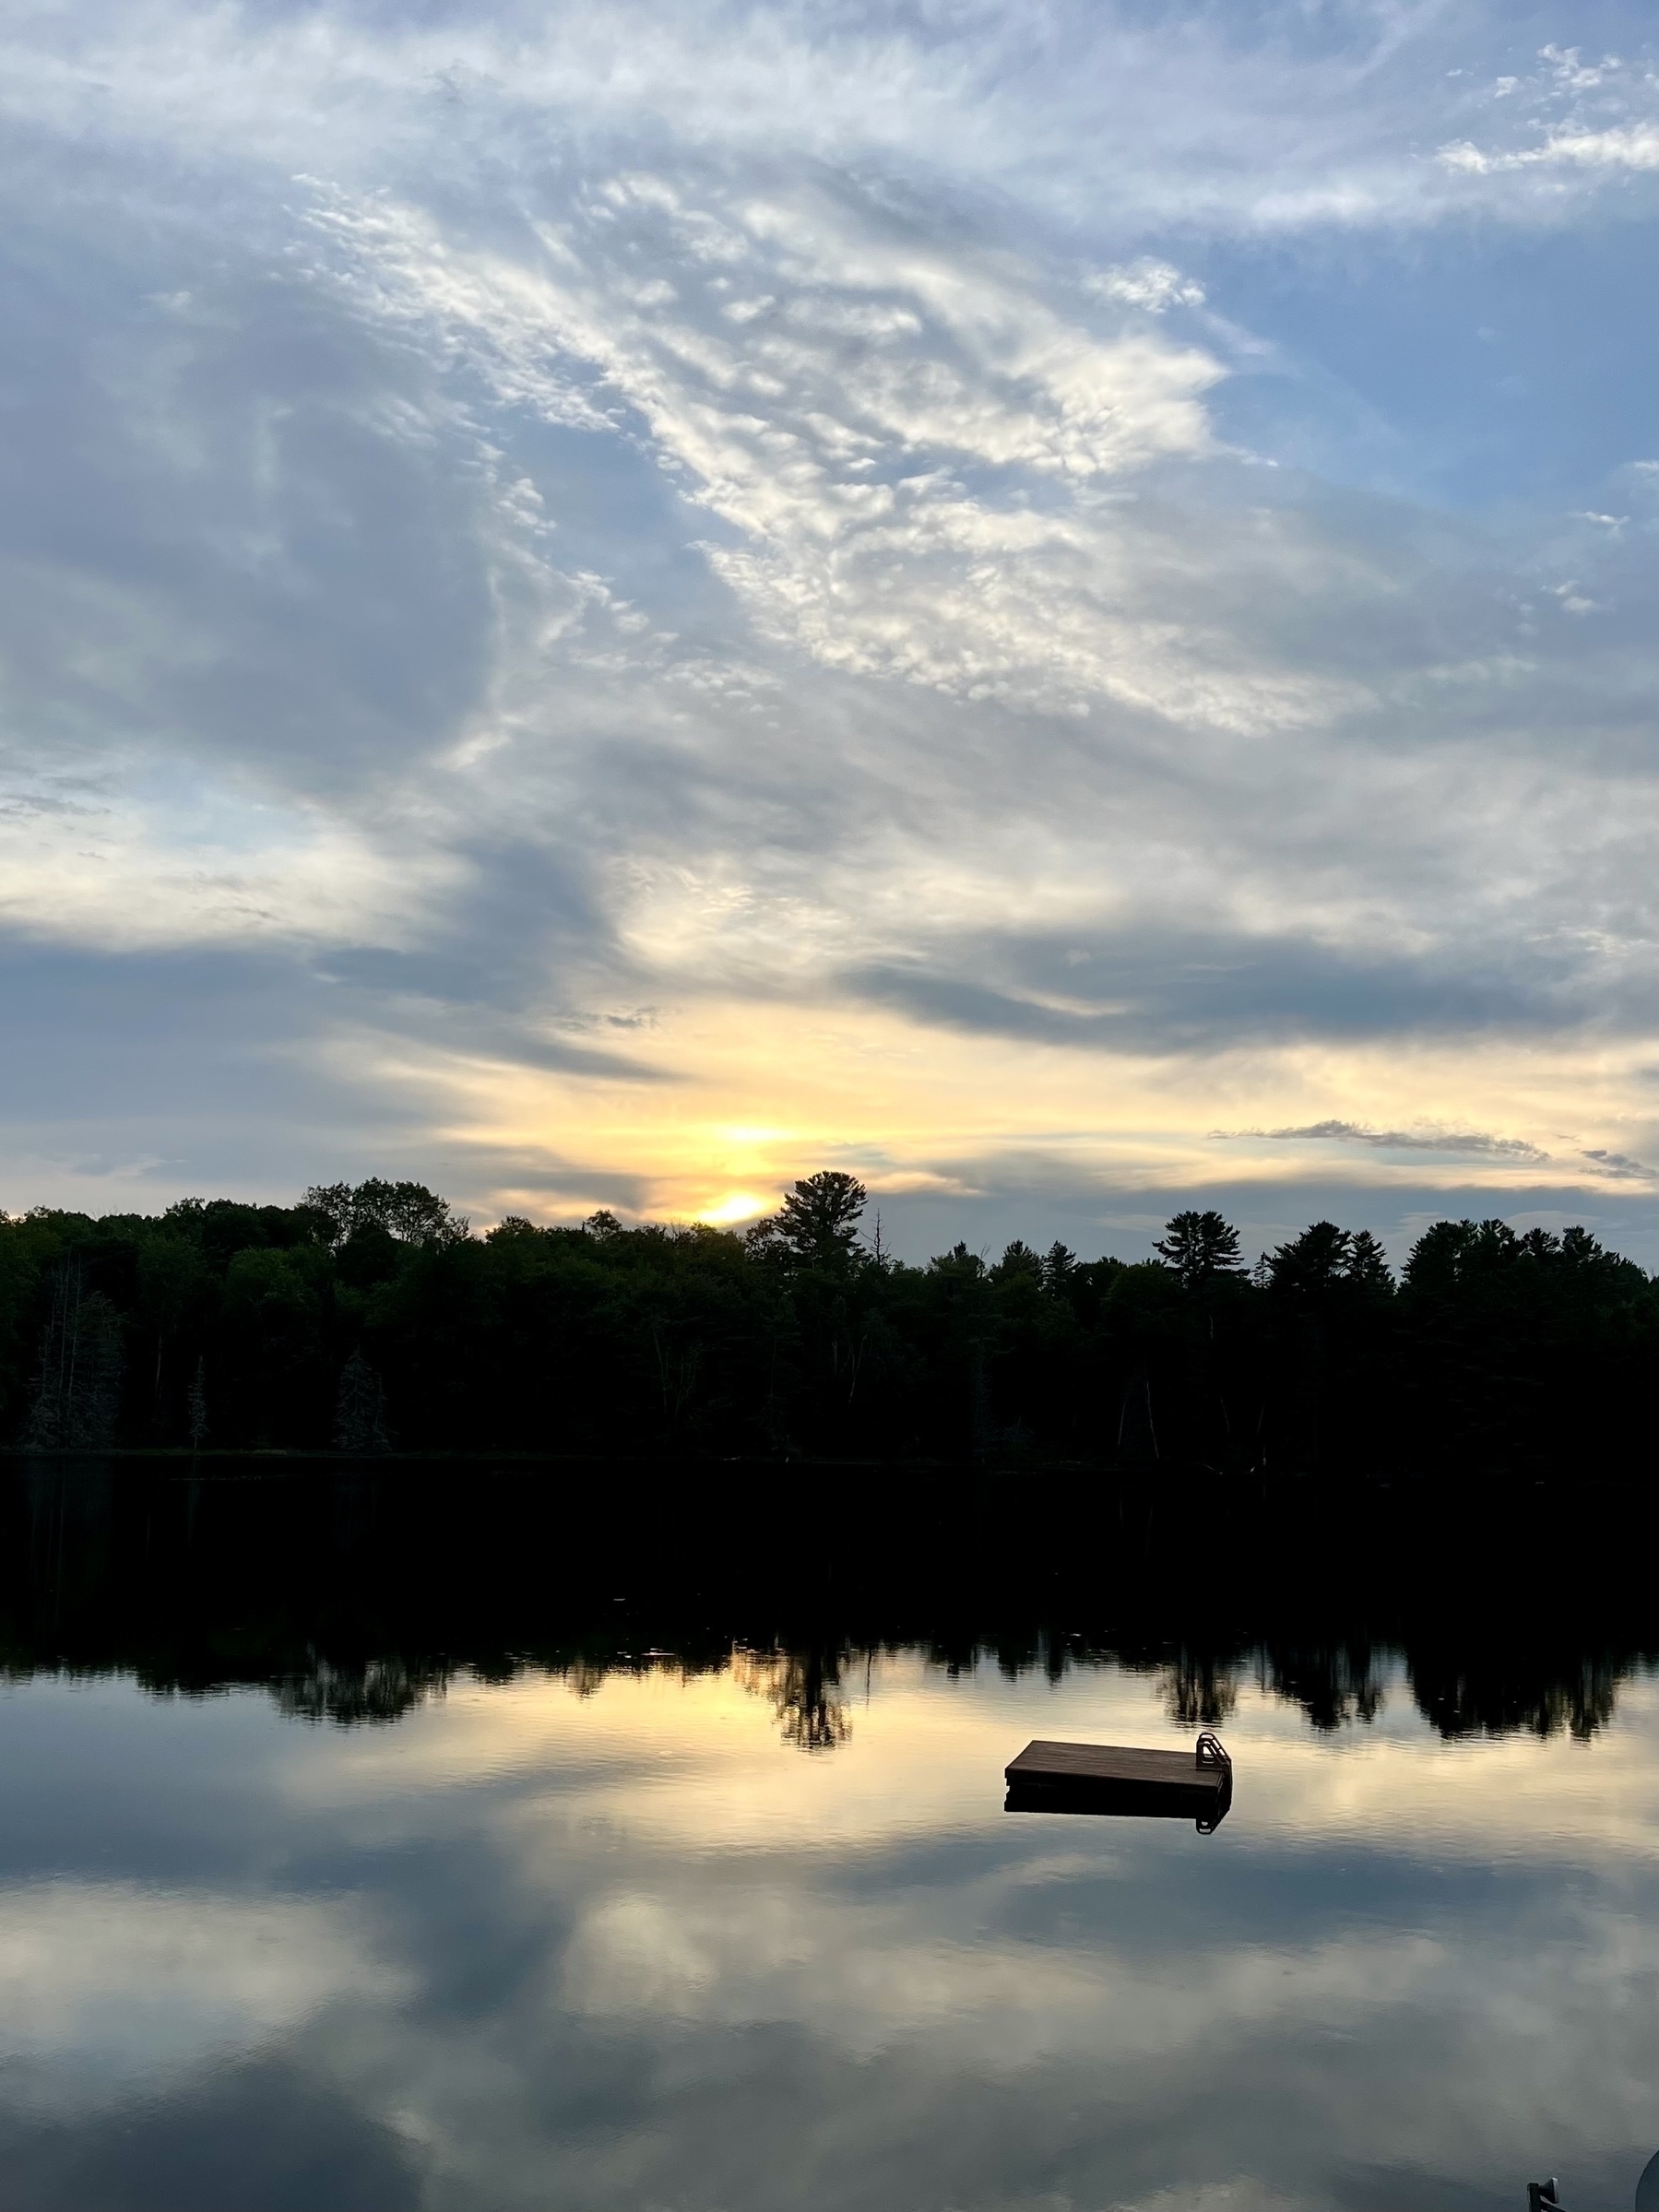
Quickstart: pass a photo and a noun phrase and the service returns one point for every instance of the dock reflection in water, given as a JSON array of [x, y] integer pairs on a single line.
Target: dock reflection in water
[[438, 1839]]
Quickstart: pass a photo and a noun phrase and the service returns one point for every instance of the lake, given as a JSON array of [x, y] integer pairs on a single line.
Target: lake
[[511, 1839]]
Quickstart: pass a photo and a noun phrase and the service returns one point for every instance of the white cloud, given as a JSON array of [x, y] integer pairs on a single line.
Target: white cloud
[[1148, 283], [1605, 121], [1635, 145], [908, 451]]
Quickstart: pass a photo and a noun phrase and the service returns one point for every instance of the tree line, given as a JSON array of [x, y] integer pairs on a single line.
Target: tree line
[[370, 1318]]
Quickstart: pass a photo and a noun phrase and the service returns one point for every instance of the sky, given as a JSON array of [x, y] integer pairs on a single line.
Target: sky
[[1052, 604]]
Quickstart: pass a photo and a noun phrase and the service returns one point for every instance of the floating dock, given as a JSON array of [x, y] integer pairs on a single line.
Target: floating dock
[[1194, 1785]]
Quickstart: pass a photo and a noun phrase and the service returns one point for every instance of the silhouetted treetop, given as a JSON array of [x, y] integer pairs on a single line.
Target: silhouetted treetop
[[818, 1221], [1199, 1246], [1367, 1263], [1018, 1259], [1311, 1262], [408, 1212]]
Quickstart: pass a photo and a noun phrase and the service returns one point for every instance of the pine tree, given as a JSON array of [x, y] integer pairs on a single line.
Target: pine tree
[[818, 1220], [1199, 1246], [1367, 1263]]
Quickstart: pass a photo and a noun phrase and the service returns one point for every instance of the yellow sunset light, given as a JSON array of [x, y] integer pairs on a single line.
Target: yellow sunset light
[[740, 1205]]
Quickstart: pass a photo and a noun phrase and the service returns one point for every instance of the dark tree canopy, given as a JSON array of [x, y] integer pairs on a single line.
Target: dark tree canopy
[[369, 1318], [1366, 1262], [408, 1212], [1199, 1246], [1310, 1263]]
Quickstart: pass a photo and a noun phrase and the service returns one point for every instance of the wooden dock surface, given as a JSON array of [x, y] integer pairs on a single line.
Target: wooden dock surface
[[1119, 1778]]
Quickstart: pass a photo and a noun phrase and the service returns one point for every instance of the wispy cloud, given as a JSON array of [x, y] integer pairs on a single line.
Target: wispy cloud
[[1465, 1143], [1634, 145], [1569, 115], [1620, 1163]]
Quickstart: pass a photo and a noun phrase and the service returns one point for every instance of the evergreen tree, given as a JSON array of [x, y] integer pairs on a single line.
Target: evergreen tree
[[1018, 1260], [818, 1221], [1366, 1262], [1199, 1246], [1310, 1263]]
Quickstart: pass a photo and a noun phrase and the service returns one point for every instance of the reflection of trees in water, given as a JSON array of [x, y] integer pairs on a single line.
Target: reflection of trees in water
[[1503, 1690], [1531, 1692], [1335, 1684], [1200, 1690], [802, 1688], [1500, 1692], [586, 1675], [375, 1689]]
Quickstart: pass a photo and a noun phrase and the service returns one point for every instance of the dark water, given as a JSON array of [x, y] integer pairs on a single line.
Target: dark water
[[595, 1838]]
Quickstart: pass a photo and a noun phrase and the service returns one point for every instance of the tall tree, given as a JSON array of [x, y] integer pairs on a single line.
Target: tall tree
[[1366, 1262], [818, 1221], [1311, 1262], [1199, 1246]]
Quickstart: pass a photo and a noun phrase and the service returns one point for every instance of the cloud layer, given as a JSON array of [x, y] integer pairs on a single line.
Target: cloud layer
[[653, 599]]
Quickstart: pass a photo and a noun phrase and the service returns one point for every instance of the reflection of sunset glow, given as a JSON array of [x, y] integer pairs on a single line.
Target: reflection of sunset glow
[[724, 1750]]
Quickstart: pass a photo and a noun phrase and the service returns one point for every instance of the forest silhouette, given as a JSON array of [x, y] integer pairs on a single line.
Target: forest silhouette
[[371, 1320]]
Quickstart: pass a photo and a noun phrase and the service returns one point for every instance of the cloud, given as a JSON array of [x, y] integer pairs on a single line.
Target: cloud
[[1635, 145], [907, 447], [1466, 1143], [1620, 1164], [1606, 119], [512, 520], [1148, 283]]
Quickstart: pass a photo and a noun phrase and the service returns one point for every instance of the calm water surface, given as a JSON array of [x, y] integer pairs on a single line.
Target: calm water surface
[[749, 1926]]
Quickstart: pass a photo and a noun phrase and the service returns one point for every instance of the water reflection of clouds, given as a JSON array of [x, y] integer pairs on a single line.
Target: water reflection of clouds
[[630, 1947], [110, 1987], [697, 1758]]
